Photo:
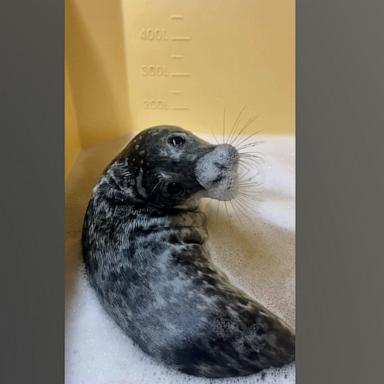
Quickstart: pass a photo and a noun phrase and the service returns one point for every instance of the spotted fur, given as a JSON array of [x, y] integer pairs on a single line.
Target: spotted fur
[[145, 256]]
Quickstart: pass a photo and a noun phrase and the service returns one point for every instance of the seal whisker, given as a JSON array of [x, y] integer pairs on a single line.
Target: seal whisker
[[250, 185], [251, 155], [243, 152], [237, 216], [234, 127], [226, 208], [250, 121], [249, 145], [251, 159], [240, 208], [236, 212], [245, 201], [247, 167], [253, 169], [244, 167], [217, 210], [246, 125], [246, 139], [249, 194], [250, 136], [236, 135], [214, 135], [224, 125]]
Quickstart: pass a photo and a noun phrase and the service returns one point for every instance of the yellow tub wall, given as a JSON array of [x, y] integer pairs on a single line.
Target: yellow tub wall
[[96, 64], [240, 53], [72, 138]]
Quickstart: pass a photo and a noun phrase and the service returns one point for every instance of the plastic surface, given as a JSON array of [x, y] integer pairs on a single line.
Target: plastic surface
[[135, 63], [188, 60]]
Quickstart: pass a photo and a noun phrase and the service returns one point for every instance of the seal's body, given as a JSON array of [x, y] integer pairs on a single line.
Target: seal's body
[[145, 256]]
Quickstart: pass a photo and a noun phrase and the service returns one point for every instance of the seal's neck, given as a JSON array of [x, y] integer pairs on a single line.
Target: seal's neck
[[120, 185]]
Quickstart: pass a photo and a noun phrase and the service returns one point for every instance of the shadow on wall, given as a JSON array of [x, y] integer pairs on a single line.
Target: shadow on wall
[[95, 57]]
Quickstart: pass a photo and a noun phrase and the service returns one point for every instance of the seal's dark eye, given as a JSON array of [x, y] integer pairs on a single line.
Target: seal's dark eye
[[176, 141], [175, 188]]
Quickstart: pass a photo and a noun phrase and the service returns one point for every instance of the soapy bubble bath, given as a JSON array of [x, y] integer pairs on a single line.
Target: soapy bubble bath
[[256, 252]]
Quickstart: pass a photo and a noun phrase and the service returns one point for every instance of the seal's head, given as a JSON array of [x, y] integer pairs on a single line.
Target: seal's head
[[168, 166]]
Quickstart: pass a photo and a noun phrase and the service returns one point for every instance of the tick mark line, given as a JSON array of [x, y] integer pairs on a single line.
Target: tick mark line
[[176, 92], [180, 108], [177, 56], [177, 17], [180, 74], [180, 38]]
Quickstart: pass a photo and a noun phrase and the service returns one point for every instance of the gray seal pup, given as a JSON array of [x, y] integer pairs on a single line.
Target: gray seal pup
[[144, 249]]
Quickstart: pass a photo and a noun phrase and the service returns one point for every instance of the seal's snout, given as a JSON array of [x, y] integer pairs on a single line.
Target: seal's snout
[[227, 156], [216, 172]]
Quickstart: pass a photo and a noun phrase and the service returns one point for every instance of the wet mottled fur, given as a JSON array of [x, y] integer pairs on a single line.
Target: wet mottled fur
[[145, 256]]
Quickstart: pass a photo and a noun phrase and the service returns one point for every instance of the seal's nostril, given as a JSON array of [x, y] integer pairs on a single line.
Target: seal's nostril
[[218, 179], [220, 166], [216, 169], [234, 154], [228, 153]]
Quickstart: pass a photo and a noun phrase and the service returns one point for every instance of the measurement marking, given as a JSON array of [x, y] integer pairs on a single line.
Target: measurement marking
[[180, 74], [180, 108], [177, 56], [180, 38], [176, 92], [177, 17]]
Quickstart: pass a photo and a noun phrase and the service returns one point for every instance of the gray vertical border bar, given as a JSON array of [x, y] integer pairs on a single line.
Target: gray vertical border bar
[[340, 191], [31, 191]]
